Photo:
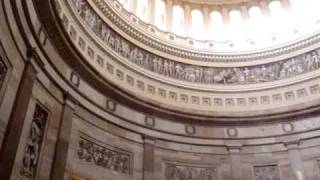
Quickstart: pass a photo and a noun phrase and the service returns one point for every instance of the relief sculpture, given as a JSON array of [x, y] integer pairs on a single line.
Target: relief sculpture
[[270, 172], [189, 172], [34, 142], [198, 74], [104, 157]]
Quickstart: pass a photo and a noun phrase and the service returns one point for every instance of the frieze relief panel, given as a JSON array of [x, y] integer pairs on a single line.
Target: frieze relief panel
[[177, 171], [105, 156], [192, 73], [34, 143], [268, 172]]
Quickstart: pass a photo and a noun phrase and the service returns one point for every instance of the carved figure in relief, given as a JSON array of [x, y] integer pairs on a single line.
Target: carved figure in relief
[[118, 45], [179, 71], [105, 33], [166, 70], [125, 49], [34, 142], [104, 157]]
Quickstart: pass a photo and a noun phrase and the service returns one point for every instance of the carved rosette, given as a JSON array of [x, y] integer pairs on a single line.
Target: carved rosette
[[34, 143], [106, 157]]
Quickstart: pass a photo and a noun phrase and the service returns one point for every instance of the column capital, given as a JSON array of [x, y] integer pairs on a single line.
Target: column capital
[[149, 140], [32, 54], [234, 148], [69, 100], [293, 144]]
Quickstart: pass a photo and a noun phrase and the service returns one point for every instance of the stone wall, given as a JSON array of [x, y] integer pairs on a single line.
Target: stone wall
[[101, 138]]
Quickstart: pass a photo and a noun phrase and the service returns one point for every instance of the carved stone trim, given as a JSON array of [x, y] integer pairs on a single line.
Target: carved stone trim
[[105, 156]]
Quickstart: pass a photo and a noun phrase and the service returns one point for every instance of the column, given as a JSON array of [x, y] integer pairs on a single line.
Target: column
[[60, 156], [148, 158], [133, 6], [169, 13], [244, 12], [187, 18], [295, 159], [151, 11], [285, 4], [206, 17], [265, 8], [17, 117], [225, 15], [235, 158]]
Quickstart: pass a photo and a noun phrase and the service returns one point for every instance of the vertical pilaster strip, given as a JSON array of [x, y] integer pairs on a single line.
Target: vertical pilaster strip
[[61, 152], [265, 8], [187, 18], [206, 17], [169, 12], [148, 158], [17, 118], [295, 159], [133, 6], [235, 158], [285, 4], [151, 11]]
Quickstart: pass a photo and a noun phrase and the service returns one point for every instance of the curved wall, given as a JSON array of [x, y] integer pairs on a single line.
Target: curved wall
[[93, 127]]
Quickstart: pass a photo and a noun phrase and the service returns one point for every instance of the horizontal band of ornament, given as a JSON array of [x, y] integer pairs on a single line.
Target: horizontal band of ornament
[[287, 68], [105, 157], [142, 34]]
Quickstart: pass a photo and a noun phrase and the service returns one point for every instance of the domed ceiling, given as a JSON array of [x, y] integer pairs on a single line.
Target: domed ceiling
[[170, 74], [230, 26]]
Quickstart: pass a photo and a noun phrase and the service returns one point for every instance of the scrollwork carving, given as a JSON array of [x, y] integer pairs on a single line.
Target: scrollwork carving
[[34, 143], [197, 74], [104, 157]]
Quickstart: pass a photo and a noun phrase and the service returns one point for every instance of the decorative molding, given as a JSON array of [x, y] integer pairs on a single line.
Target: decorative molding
[[34, 143], [105, 156]]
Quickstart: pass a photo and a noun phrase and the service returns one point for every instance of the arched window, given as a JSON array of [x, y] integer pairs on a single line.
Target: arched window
[[216, 27], [126, 4], [197, 24], [160, 14], [178, 20], [142, 9]]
